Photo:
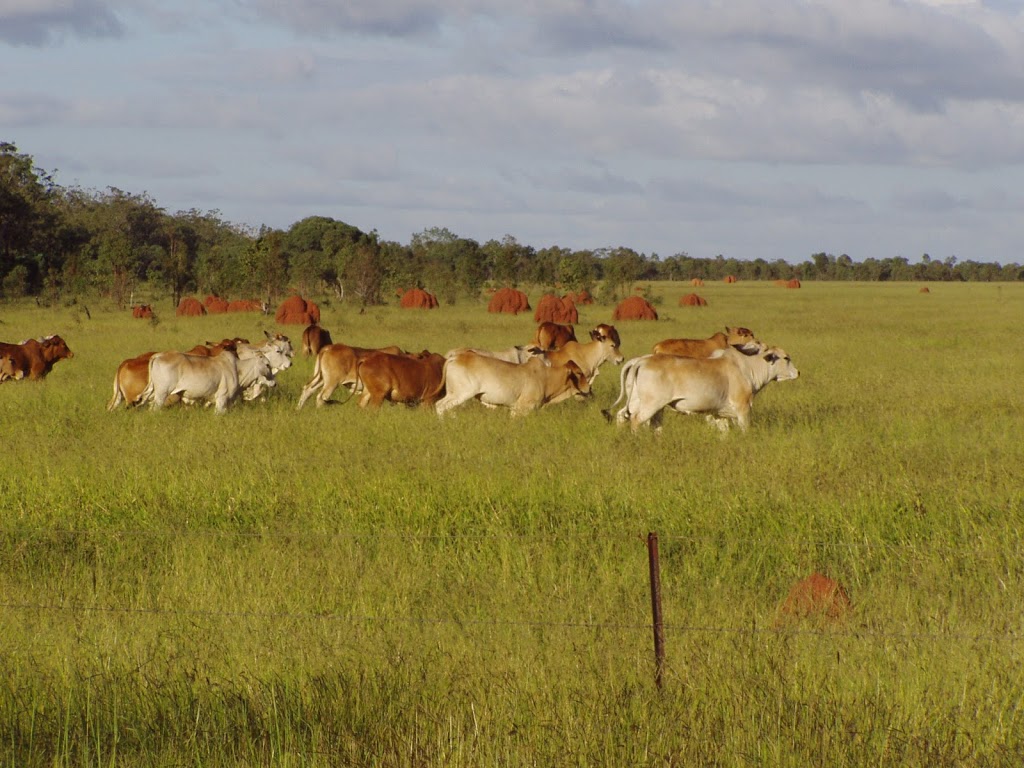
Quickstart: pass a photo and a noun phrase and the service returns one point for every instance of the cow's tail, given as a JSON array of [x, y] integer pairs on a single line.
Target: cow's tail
[[118, 396], [147, 393], [627, 378], [439, 392]]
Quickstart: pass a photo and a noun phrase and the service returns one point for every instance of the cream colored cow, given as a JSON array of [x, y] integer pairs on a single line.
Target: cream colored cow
[[722, 386]]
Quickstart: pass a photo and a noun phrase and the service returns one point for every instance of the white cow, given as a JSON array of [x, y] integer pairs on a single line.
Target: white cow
[[256, 374], [520, 387], [722, 386], [277, 349], [194, 377]]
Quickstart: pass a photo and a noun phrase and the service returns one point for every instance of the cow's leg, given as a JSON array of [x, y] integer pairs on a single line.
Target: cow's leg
[[314, 384], [325, 394], [718, 421], [449, 401]]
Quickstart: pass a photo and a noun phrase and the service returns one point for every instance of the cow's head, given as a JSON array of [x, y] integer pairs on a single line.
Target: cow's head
[[780, 364], [55, 348], [740, 337], [278, 360], [608, 336], [281, 342], [578, 381]]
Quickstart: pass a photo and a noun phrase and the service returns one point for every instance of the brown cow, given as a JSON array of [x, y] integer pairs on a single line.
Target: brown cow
[[552, 336], [701, 348], [314, 338], [410, 379], [34, 358], [336, 364]]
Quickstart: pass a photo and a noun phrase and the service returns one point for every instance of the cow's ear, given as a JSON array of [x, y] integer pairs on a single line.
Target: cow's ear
[[535, 351], [771, 357], [595, 335]]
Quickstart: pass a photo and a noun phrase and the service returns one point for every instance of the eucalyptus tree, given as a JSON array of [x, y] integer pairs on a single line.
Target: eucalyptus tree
[[450, 263], [621, 268], [30, 222], [507, 262]]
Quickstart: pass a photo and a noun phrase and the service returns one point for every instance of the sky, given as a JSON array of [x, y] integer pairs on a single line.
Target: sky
[[742, 128]]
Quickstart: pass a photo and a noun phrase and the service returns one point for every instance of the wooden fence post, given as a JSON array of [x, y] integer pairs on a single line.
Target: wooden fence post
[[659, 626]]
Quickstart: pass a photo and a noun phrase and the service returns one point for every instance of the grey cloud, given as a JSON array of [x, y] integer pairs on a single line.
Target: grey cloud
[[49, 22], [405, 18]]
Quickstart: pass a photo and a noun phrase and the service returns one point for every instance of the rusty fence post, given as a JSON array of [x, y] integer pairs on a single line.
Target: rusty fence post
[[658, 624]]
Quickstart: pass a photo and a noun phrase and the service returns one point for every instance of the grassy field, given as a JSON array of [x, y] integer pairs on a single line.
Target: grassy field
[[333, 587]]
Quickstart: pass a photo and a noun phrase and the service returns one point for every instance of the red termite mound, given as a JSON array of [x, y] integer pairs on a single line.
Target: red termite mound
[[817, 595], [924, 289], [581, 299], [730, 278], [555, 309], [190, 307], [244, 305], [215, 305], [696, 282], [142, 311], [794, 283], [509, 301], [417, 298], [693, 300], [295, 310], [634, 308]]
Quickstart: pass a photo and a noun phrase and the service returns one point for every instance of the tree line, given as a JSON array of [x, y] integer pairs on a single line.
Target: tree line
[[61, 243]]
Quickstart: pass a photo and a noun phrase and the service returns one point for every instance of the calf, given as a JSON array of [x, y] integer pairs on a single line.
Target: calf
[[733, 336], [603, 346]]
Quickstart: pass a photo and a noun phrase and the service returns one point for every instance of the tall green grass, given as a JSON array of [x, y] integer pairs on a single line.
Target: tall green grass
[[331, 586]]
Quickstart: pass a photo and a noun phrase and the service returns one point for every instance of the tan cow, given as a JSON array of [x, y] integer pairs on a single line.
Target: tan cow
[[551, 336], [722, 386], [211, 348], [409, 379], [733, 336], [521, 388], [8, 370], [130, 381], [603, 346], [336, 364]]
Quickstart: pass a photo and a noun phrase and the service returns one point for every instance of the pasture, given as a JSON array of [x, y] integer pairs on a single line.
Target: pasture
[[333, 587]]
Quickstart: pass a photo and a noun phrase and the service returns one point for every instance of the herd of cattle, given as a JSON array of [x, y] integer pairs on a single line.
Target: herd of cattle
[[717, 376]]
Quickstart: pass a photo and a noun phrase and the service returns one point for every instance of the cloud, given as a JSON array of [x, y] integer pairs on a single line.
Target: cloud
[[43, 22]]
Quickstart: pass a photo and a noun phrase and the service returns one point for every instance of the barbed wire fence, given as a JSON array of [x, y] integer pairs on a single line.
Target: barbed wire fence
[[661, 631]]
